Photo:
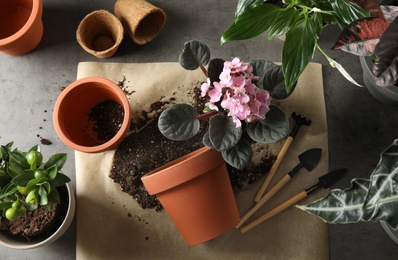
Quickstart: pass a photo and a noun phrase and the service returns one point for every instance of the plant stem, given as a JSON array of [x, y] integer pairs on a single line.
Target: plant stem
[[203, 70], [207, 115]]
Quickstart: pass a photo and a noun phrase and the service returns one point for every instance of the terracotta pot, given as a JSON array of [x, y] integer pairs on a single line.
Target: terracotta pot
[[100, 34], [68, 203], [142, 20], [21, 27], [196, 192], [72, 109]]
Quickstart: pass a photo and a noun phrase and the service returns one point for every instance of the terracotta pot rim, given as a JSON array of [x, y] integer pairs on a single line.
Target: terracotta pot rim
[[114, 141], [169, 175], [69, 216], [117, 41], [37, 9]]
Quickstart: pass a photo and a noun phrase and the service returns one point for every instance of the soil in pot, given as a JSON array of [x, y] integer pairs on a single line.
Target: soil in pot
[[147, 149], [105, 119], [39, 224]]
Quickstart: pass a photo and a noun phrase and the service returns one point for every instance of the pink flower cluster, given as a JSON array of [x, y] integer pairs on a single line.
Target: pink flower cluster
[[237, 94]]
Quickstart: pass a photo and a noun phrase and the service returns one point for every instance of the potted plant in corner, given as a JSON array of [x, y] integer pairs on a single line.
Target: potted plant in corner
[[375, 37], [300, 21], [37, 202], [373, 199], [238, 110]]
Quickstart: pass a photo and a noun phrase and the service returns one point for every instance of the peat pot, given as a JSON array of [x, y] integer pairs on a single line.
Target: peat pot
[[67, 210], [73, 112], [141, 20], [196, 192], [21, 26], [100, 33]]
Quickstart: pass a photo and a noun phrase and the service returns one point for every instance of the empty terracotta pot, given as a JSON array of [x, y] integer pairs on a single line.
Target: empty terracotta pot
[[100, 33], [196, 192], [21, 26], [142, 20], [72, 114]]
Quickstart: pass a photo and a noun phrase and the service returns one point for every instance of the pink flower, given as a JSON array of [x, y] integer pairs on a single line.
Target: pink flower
[[212, 106], [205, 87], [235, 66], [216, 93], [240, 94], [238, 81], [225, 78]]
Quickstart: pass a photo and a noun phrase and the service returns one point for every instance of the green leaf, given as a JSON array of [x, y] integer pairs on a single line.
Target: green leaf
[[32, 197], [179, 122], [194, 54], [273, 128], [32, 183], [52, 172], [260, 68], [5, 205], [57, 160], [244, 5], [251, 23], [8, 190], [60, 179], [366, 200], [4, 180], [43, 200], [35, 148], [240, 155], [347, 12], [15, 169], [287, 19], [54, 196], [19, 158], [23, 179], [206, 140], [223, 132], [298, 50]]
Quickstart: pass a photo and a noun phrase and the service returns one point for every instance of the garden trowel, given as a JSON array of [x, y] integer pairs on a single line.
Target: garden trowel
[[325, 182], [308, 160]]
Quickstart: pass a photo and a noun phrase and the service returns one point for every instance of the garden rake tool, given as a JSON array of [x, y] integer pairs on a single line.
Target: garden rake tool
[[300, 120]]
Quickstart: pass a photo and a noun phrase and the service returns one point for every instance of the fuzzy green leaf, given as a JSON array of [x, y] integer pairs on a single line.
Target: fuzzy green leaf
[[179, 122], [206, 140], [194, 54], [273, 128], [240, 155], [366, 200], [223, 132], [214, 69]]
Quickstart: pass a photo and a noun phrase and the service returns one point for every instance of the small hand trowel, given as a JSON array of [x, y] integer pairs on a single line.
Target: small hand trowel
[[325, 182], [308, 160]]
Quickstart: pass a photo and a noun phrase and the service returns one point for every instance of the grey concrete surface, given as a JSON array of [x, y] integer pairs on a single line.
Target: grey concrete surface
[[359, 126]]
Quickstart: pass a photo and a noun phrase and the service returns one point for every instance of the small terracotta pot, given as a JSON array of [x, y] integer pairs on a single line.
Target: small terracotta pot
[[68, 203], [142, 20], [21, 26], [100, 33], [196, 192], [72, 109]]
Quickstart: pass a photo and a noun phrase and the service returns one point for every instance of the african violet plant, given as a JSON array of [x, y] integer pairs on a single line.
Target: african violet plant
[[239, 99], [26, 182], [374, 199], [301, 21]]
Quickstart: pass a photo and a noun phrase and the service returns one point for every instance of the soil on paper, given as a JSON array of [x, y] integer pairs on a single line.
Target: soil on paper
[[147, 149]]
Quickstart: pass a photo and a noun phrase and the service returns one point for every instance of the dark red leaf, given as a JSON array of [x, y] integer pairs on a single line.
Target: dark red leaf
[[361, 36], [371, 6]]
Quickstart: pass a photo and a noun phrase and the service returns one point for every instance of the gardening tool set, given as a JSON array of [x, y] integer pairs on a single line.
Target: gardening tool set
[[308, 160]]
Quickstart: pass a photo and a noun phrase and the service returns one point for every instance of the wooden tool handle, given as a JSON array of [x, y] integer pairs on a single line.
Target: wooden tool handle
[[274, 168], [274, 211], [264, 199]]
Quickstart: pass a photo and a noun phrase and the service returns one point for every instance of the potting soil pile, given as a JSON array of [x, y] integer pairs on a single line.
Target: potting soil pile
[[111, 224]]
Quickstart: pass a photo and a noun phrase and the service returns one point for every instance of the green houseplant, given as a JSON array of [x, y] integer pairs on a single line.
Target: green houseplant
[[30, 192], [239, 105], [374, 199], [301, 21]]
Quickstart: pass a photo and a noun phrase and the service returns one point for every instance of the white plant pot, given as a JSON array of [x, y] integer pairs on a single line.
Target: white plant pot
[[387, 95], [16, 243], [393, 234]]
